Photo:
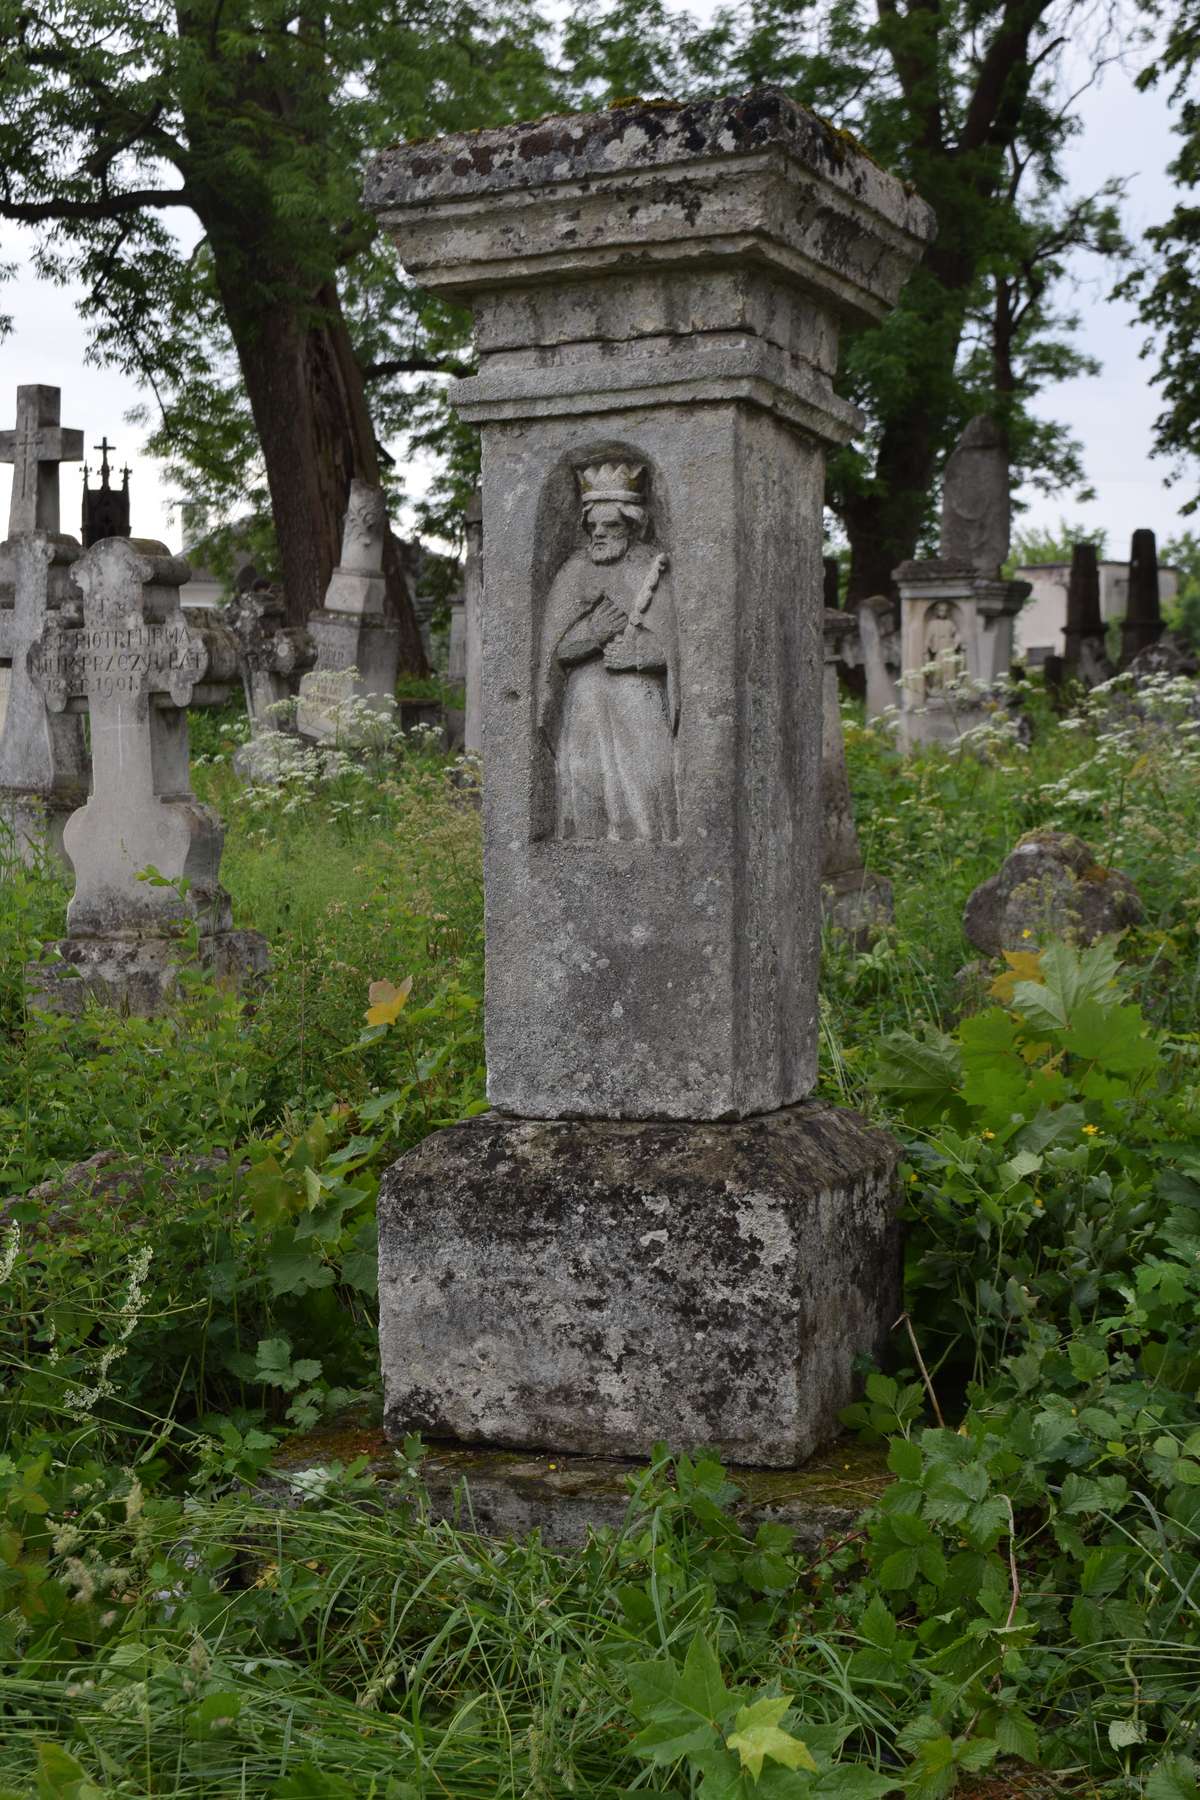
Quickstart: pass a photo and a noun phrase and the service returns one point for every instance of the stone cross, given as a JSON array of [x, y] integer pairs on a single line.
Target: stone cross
[[272, 656], [35, 449], [657, 294], [136, 665]]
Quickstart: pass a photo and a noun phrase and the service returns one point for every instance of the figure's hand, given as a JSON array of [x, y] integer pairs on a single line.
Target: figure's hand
[[619, 653], [607, 621]]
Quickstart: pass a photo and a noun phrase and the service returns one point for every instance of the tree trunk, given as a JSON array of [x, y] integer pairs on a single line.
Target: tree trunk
[[306, 394]]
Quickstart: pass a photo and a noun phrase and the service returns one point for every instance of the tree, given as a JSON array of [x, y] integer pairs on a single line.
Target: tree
[[1167, 291], [254, 117], [963, 98]]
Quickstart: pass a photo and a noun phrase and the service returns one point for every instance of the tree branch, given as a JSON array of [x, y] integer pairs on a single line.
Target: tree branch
[[114, 206], [416, 365]]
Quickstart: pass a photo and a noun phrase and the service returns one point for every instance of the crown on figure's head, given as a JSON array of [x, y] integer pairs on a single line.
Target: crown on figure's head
[[611, 481]]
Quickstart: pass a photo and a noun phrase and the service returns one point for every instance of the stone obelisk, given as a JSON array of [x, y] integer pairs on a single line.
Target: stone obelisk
[[654, 1234]]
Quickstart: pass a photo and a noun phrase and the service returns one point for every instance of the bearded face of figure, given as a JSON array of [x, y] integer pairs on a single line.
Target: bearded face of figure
[[608, 533]]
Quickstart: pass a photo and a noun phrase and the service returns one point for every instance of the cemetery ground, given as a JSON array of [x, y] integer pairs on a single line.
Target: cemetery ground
[[1016, 1611]]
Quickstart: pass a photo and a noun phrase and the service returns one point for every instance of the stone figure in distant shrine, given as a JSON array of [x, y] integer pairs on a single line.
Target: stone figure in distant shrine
[[943, 645], [609, 680]]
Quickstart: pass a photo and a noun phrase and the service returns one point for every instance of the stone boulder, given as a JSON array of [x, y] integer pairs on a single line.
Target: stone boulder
[[1050, 887]]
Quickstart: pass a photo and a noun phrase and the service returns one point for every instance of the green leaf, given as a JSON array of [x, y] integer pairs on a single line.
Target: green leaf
[[757, 1735], [877, 1625], [1069, 977], [899, 1570], [1124, 1732], [853, 1781], [701, 1686], [1113, 1036], [1174, 1778], [296, 1267]]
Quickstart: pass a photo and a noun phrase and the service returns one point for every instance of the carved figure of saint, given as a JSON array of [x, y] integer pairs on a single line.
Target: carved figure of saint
[[943, 646], [608, 683]]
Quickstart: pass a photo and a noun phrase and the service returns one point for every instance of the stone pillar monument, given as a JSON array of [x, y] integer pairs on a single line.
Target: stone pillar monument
[[1143, 610], [653, 1235], [1084, 654], [957, 611]]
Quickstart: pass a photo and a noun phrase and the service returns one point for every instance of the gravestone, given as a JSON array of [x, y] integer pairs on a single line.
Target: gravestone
[[853, 900], [357, 646], [272, 656], [43, 758], [136, 665], [655, 1234], [473, 606], [1143, 624], [957, 611], [879, 637], [1084, 654]]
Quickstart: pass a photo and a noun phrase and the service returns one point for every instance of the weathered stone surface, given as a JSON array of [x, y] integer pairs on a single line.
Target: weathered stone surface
[[473, 606], [135, 664], [956, 643], [272, 656], [880, 639], [140, 975], [596, 1287], [976, 503], [357, 648], [1170, 654], [1143, 624], [43, 759], [657, 295], [1084, 655], [505, 1494], [1050, 887], [853, 900], [35, 448]]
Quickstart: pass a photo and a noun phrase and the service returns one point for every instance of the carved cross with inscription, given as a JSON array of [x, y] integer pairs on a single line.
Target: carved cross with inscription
[[35, 448], [135, 664]]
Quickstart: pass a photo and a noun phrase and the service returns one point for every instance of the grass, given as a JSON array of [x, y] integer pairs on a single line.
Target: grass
[[167, 1630]]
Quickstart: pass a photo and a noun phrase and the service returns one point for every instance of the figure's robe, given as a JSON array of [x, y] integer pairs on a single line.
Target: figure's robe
[[611, 731]]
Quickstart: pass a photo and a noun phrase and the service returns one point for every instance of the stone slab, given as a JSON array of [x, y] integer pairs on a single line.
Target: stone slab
[[599, 1287], [507, 1494]]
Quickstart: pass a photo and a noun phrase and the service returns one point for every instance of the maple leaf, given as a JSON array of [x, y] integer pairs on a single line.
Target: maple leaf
[[387, 1001]]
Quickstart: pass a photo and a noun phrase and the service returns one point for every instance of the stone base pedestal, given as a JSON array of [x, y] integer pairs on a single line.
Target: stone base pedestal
[[597, 1286], [356, 668], [138, 975], [857, 903], [506, 1494]]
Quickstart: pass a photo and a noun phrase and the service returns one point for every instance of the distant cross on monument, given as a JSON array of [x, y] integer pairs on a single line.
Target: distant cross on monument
[[105, 509], [104, 447], [35, 448]]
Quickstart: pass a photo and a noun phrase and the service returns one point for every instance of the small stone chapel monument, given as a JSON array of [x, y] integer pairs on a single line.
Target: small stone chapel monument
[[136, 665], [654, 1235], [43, 757], [957, 611]]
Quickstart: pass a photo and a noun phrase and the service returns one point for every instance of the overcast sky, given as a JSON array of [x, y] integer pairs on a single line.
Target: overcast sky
[[1126, 133]]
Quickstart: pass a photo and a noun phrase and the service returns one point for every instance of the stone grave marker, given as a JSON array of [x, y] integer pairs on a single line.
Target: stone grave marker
[[43, 759], [957, 611], [1143, 623], [473, 607], [272, 656], [853, 900], [136, 665], [880, 640], [1084, 655], [357, 646], [655, 1234]]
